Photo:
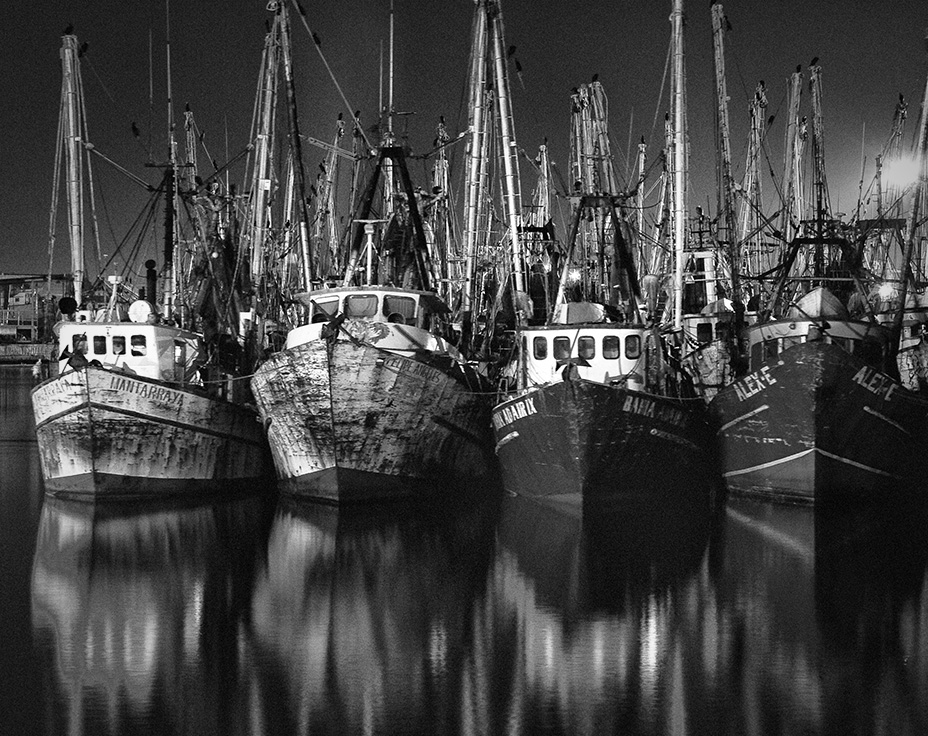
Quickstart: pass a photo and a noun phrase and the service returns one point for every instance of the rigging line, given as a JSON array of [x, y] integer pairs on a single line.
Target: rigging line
[[660, 95], [318, 45], [56, 186], [120, 108]]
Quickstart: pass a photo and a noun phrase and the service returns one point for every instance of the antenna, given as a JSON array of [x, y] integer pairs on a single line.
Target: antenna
[[390, 100]]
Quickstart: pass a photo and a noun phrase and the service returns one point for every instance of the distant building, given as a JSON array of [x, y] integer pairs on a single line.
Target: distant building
[[28, 308]]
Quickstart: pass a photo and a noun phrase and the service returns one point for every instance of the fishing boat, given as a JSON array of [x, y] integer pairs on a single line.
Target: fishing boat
[[368, 400], [821, 416], [142, 404], [597, 402], [599, 408]]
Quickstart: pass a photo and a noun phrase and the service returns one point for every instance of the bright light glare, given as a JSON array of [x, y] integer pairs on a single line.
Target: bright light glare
[[573, 275], [900, 172], [886, 291]]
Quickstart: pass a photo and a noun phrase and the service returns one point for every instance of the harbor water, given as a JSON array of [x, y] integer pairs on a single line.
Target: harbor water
[[491, 615]]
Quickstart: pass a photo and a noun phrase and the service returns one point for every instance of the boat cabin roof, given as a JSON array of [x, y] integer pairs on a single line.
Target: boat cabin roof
[[427, 300]]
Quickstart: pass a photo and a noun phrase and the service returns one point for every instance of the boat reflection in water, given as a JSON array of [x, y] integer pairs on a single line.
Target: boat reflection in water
[[133, 613], [825, 627], [362, 617], [596, 608]]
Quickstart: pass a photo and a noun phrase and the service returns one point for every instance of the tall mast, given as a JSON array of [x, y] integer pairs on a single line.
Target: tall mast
[[643, 258], [170, 183], [921, 159], [71, 104], [474, 180], [792, 183], [819, 182], [726, 183], [511, 185], [260, 180], [679, 161], [749, 231], [296, 149]]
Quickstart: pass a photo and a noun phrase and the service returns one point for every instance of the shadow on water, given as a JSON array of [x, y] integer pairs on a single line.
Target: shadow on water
[[135, 613]]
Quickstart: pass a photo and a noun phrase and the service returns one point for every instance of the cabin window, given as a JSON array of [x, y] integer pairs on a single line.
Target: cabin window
[[611, 347], [361, 305], [632, 346], [586, 348], [399, 309], [323, 311], [119, 344], [561, 348], [842, 342], [771, 349], [540, 348], [139, 345], [704, 332], [79, 344], [99, 344]]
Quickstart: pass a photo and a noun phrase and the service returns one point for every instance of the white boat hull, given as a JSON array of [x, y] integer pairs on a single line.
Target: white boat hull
[[108, 434], [349, 422]]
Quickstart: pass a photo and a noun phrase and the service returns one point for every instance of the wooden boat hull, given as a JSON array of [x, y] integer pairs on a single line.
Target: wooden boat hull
[[106, 434], [604, 444], [349, 422], [818, 426]]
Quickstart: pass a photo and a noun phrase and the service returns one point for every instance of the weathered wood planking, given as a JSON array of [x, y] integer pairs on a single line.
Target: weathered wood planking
[[104, 432], [347, 421]]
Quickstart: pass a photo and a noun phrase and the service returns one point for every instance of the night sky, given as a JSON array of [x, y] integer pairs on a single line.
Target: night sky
[[870, 52]]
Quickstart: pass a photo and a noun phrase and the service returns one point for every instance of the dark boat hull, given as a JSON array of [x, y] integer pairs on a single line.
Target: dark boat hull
[[604, 444], [349, 422], [818, 426]]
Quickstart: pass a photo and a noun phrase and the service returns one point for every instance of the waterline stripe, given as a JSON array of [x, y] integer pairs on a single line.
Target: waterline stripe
[[750, 414], [774, 463], [886, 419], [771, 464]]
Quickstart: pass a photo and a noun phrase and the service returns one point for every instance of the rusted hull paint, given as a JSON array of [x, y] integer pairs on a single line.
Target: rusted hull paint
[[349, 422], [106, 434], [817, 426], [606, 445]]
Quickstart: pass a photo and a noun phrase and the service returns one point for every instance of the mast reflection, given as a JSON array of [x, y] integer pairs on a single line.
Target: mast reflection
[[134, 613], [361, 617], [844, 586]]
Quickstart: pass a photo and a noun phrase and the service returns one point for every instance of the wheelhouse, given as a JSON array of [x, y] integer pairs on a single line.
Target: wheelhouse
[[377, 304], [868, 341], [602, 353], [160, 352]]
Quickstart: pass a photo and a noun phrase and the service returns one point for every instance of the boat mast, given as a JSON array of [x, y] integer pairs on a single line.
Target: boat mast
[[792, 164], [260, 183], [679, 161], [643, 249], [296, 148], [750, 221], [819, 182], [71, 105], [726, 183], [475, 175], [170, 183], [511, 186], [921, 159]]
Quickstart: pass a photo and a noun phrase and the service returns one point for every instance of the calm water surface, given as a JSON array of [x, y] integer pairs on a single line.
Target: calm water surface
[[496, 616]]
